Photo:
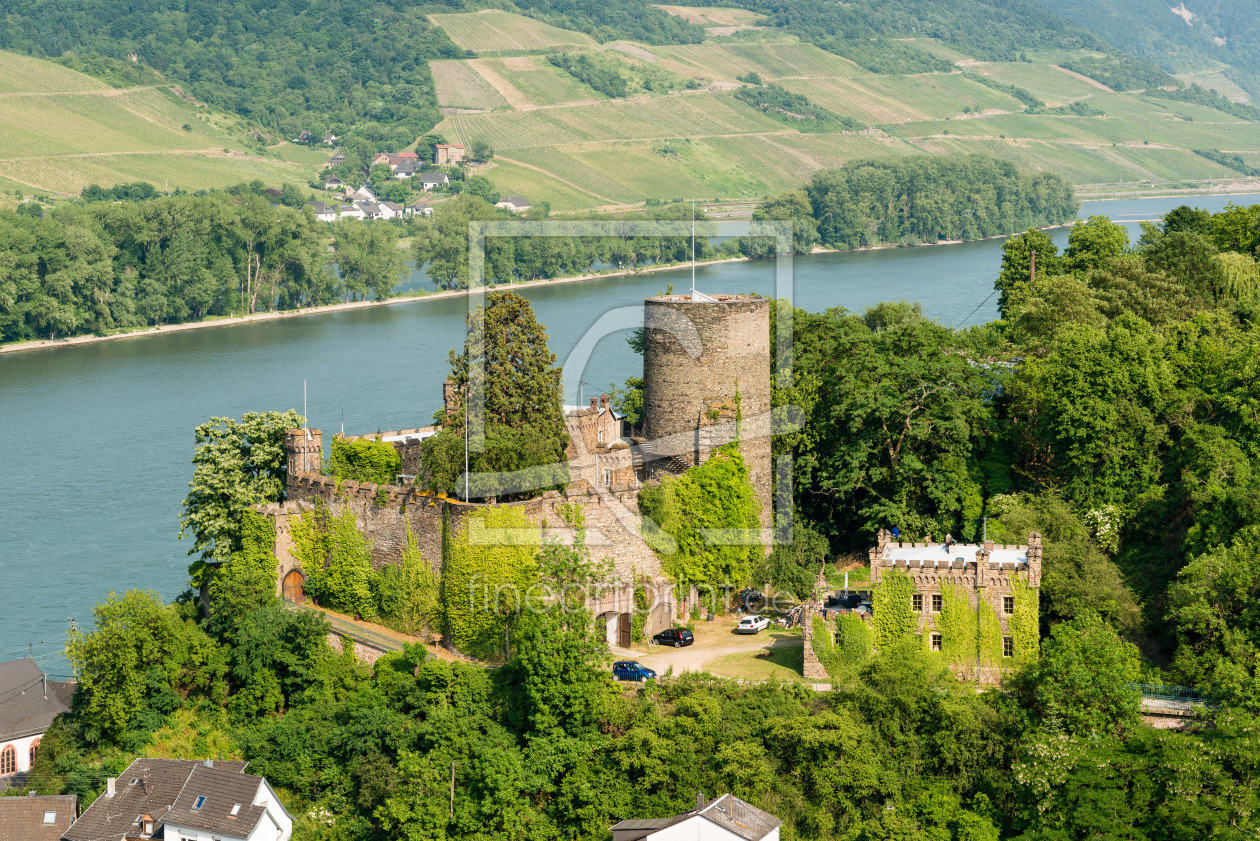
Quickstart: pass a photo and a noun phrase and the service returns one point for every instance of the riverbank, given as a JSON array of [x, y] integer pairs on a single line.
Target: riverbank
[[42, 344]]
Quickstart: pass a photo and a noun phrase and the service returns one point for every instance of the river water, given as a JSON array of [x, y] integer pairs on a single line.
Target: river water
[[96, 439]]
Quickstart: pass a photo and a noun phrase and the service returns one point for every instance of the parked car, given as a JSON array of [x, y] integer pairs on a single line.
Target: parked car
[[632, 670], [677, 637], [752, 625]]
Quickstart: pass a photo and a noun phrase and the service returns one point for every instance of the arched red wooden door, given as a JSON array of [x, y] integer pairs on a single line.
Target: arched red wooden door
[[293, 588]]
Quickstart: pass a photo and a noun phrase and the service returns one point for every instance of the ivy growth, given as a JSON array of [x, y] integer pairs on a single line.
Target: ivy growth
[[854, 640], [825, 648], [364, 460], [894, 619], [957, 626], [337, 559], [1024, 624]]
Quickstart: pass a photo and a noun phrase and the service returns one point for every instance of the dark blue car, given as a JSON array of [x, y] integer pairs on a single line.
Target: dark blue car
[[630, 670]]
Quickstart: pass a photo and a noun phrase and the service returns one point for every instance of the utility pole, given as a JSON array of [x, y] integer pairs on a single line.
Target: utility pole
[[452, 789]]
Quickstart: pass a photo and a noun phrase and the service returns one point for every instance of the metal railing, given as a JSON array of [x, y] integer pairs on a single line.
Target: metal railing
[[1168, 693], [348, 629]]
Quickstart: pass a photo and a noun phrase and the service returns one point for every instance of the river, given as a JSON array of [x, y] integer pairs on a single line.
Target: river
[[96, 439]]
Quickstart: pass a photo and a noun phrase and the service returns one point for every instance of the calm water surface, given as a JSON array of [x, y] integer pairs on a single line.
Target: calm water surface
[[95, 440]]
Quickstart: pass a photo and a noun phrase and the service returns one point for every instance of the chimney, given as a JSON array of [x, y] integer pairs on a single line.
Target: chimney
[[109, 787], [699, 800]]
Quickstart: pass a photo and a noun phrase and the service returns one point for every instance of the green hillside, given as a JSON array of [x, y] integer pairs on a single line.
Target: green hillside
[[61, 130], [576, 148]]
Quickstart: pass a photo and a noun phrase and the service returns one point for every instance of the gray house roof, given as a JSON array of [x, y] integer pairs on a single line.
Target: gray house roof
[[167, 790], [434, 178], [37, 818], [26, 710], [727, 811]]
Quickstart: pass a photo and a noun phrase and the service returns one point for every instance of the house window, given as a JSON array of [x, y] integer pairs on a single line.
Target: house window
[[917, 601], [1008, 605], [1008, 647], [201, 801], [936, 642], [236, 809], [936, 602], [607, 478], [601, 435], [50, 817], [8, 760], [34, 750]]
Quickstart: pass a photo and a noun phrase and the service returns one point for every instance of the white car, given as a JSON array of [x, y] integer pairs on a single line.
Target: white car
[[752, 624]]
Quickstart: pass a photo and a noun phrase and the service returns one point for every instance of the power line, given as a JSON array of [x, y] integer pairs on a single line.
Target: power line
[[977, 309]]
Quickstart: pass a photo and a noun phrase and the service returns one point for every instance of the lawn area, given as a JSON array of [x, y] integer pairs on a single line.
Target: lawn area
[[782, 662]]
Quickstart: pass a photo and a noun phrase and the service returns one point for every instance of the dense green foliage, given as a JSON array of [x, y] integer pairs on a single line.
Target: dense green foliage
[[794, 567], [136, 191], [238, 464], [337, 560], [1222, 31], [601, 77], [1235, 162], [490, 566], [886, 55], [1120, 72], [347, 66], [102, 266], [988, 30], [608, 20], [705, 523], [520, 450], [795, 109], [364, 460], [926, 199], [1029, 100]]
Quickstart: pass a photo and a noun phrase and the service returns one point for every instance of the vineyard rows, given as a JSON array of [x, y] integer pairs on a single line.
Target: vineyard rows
[[495, 31]]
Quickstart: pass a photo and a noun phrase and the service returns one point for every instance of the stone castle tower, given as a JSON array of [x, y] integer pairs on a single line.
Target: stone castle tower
[[706, 382], [303, 451]]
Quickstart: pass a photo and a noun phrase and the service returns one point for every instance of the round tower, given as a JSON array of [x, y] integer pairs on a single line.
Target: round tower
[[304, 451], [706, 380]]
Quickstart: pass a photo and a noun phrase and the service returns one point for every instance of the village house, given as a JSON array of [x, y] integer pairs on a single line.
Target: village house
[[419, 208], [29, 702], [725, 819], [37, 818], [447, 154], [390, 210], [323, 212], [338, 157], [186, 800], [350, 211], [330, 139], [406, 169], [516, 204], [429, 180], [332, 182]]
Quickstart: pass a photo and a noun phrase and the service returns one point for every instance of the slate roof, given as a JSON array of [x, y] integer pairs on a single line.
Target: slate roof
[[727, 811], [516, 201], [166, 790], [22, 818], [24, 709], [434, 178]]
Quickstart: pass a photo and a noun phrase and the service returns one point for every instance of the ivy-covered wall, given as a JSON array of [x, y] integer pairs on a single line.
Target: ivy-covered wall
[[854, 640], [894, 619], [1025, 624]]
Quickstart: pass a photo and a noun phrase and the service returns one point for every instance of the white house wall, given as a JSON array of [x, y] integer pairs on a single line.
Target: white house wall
[[701, 829]]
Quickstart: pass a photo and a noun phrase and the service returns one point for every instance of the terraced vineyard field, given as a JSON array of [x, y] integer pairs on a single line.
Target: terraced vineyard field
[[22, 74], [770, 61], [1043, 81], [713, 16], [61, 130], [460, 86], [679, 116], [540, 82], [496, 31]]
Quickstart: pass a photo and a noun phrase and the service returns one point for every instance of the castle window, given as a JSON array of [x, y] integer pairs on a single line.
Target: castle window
[[917, 600], [8, 760], [607, 478], [34, 749], [601, 435], [1008, 646], [936, 642], [1008, 605], [936, 602]]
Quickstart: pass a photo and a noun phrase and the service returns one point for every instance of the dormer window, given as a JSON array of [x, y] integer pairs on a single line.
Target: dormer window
[[201, 801], [236, 810]]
